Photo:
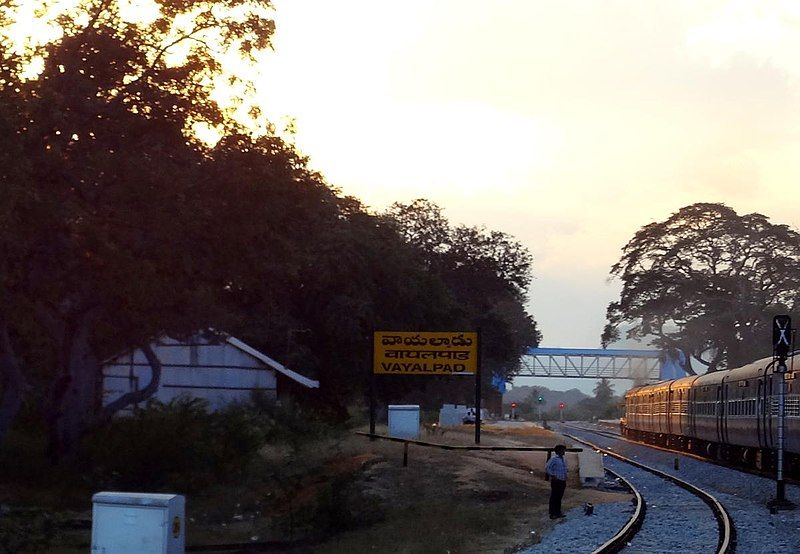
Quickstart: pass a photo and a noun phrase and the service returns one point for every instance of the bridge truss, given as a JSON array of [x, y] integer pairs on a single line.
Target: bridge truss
[[641, 365]]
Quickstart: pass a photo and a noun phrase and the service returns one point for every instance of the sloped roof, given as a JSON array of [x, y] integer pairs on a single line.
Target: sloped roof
[[277, 366], [247, 349]]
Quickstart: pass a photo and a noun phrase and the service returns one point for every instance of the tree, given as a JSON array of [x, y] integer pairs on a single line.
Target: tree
[[487, 274], [119, 225], [106, 245], [603, 391], [706, 281]]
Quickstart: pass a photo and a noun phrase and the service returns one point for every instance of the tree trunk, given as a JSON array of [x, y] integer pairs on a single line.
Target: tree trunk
[[13, 382], [72, 405], [78, 404], [687, 364], [70, 401]]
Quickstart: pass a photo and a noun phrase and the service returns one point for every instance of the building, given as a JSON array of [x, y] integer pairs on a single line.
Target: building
[[210, 365]]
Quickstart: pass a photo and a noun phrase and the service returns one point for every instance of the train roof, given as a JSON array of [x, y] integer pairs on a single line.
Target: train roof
[[712, 378], [684, 382], [749, 370]]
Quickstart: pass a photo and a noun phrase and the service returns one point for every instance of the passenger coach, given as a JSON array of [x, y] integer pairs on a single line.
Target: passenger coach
[[725, 415]]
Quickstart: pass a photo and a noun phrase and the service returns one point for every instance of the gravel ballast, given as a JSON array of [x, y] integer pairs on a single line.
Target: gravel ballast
[[744, 495], [582, 533]]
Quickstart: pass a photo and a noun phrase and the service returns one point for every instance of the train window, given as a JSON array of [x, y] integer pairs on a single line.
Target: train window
[[793, 406]]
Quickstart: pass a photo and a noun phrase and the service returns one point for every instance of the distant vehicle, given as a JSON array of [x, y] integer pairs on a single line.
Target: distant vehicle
[[469, 417]]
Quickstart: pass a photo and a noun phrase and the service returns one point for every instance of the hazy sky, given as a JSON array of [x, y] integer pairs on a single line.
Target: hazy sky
[[567, 124]]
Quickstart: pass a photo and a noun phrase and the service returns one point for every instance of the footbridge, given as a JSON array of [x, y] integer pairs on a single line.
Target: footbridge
[[588, 363]]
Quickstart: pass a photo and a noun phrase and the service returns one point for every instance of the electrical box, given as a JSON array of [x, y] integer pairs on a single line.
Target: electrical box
[[404, 421], [140, 523]]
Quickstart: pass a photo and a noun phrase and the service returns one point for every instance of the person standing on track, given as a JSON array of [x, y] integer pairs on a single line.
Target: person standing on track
[[556, 469]]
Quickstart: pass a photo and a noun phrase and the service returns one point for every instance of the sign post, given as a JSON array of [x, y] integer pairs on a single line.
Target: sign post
[[427, 353], [781, 347], [478, 389], [372, 406]]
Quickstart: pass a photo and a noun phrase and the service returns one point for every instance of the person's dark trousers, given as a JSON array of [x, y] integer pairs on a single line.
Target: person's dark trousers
[[557, 487]]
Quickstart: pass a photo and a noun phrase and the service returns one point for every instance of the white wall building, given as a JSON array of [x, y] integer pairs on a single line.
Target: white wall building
[[211, 365]]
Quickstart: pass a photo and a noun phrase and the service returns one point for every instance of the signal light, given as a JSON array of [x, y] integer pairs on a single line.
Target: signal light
[[561, 405], [513, 404], [541, 399]]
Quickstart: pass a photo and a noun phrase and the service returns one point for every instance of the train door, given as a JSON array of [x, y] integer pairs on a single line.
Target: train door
[[670, 409], [692, 394], [762, 440], [768, 411], [725, 410], [718, 409]]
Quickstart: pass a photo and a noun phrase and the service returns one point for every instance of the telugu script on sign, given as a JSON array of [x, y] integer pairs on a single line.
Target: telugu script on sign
[[425, 353]]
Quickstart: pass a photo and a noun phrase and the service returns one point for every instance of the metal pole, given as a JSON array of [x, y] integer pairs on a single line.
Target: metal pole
[[372, 387], [478, 392], [781, 494]]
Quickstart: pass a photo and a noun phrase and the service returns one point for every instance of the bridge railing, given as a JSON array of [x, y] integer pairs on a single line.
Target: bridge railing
[[592, 363]]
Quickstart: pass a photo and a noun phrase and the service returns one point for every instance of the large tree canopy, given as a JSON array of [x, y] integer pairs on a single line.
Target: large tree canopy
[[487, 273], [106, 239], [707, 281], [119, 225]]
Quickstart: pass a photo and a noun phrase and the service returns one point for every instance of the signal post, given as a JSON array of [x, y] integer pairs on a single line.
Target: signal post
[[782, 346]]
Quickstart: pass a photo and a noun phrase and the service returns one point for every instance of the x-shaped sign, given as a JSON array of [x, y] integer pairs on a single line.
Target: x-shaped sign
[[781, 333]]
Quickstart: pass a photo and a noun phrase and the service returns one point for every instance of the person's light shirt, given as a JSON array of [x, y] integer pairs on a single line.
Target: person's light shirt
[[557, 468]]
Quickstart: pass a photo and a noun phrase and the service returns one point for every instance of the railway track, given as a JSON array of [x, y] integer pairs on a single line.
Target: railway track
[[674, 513], [738, 467], [621, 537]]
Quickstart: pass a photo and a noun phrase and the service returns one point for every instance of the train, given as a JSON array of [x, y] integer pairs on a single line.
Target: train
[[728, 416]]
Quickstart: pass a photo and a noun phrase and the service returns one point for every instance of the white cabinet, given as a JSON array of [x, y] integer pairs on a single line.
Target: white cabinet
[[141, 523], [404, 421]]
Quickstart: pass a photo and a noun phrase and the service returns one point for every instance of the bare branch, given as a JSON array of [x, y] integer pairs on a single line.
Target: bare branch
[[134, 397]]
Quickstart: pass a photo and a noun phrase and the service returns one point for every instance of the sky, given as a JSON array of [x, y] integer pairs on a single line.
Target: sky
[[569, 125]]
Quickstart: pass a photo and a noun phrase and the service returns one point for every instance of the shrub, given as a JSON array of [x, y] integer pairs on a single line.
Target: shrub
[[181, 445]]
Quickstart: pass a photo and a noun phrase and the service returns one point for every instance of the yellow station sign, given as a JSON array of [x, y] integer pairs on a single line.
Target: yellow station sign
[[424, 353]]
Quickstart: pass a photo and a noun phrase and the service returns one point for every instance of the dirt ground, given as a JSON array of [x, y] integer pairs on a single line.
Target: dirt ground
[[353, 495], [452, 501]]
